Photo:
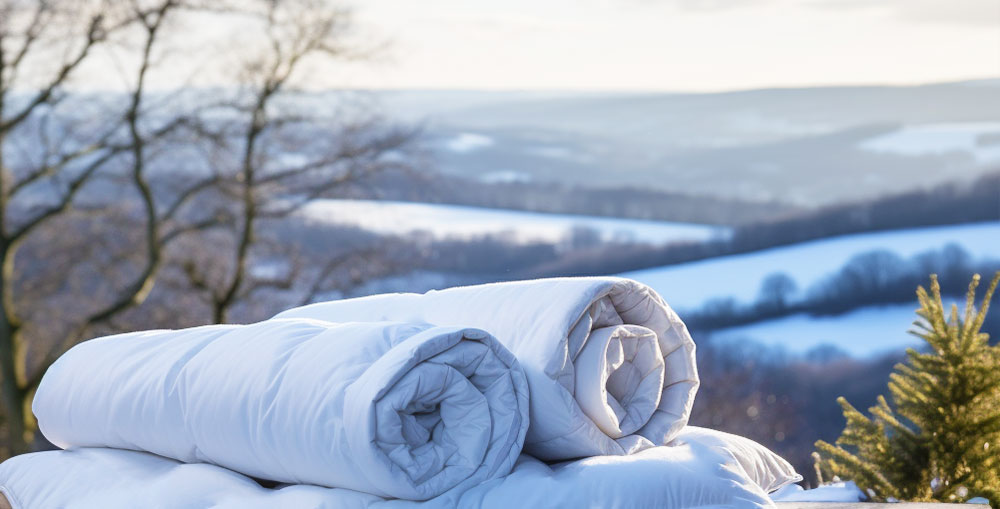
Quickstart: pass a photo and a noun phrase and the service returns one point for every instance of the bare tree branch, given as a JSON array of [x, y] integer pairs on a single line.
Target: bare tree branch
[[65, 201], [64, 160], [137, 291], [95, 34], [31, 35], [217, 220], [207, 229]]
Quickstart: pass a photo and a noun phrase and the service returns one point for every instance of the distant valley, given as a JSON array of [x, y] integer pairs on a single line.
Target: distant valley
[[799, 147]]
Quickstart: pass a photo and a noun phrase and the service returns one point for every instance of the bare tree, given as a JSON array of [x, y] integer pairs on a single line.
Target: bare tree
[[97, 194], [73, 155], [27, 28], [267, 128], [776, 291]]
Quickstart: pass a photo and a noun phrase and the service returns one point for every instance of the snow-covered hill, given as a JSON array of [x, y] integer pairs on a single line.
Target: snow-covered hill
[[690, 285], [807, 147], [861, 332], [452, 221]]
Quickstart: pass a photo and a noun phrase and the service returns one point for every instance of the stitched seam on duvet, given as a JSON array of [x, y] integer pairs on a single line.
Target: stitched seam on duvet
[[574, 430], [683, 344], [633, 306]]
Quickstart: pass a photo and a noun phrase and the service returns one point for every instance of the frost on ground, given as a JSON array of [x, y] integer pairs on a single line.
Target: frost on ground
[[834, 492]]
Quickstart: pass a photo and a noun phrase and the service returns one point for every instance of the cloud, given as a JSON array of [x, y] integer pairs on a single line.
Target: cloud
[[523, 23], [982, 13], [955, 12], [716, 5], [709, 5]]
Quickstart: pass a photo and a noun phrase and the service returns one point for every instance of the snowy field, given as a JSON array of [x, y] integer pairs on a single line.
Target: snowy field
[[861, 333], [689, 285], [453, 221], [981, 140]]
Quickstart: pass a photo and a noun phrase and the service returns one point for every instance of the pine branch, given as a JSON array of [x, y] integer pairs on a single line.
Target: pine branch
[[946, 417]]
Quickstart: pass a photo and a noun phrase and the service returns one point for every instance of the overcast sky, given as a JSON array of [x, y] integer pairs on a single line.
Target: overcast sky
[[676, 45]]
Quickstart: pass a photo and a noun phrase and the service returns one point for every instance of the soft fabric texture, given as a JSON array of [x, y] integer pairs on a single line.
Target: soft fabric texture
[[664, 477], [767, 469], [610, 366], [397, 410]]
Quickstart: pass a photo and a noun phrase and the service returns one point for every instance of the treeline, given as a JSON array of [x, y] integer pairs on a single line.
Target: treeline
[[948, 204], [489, 255], [872, 278], [786, 401], [952, 203], [782, 402], [555, 198]]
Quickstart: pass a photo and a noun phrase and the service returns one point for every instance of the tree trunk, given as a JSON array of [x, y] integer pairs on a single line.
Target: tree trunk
[[219, 312], [11, 392]]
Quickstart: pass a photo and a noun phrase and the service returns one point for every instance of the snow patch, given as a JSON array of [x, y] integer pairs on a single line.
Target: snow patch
[[688, 286], [560, 153], [468, 142], [454, 221], [861, 333], [937, 139], [505, 177]]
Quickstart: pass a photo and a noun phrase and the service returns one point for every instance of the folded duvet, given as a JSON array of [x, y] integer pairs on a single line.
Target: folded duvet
[[684, 476], [397, 410], [610, 366]]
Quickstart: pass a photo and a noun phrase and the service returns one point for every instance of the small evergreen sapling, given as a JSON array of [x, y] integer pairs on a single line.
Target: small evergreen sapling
[[942, 441]]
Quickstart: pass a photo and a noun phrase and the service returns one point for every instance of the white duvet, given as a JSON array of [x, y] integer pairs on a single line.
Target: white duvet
[[610, 366], [676, 477], [397, 410]]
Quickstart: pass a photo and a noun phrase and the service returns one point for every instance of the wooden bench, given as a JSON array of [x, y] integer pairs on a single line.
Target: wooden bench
[[869, 505], [799, 505]]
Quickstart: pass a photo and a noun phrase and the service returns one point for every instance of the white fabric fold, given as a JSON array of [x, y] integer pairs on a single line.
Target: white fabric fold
[[678, 477], [619, 378], [397, 410], [599, 385]]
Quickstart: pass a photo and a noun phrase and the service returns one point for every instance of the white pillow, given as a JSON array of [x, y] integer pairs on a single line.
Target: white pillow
[[761, 464]]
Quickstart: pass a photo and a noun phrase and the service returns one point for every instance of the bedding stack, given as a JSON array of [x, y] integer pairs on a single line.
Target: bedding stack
[[610, 366], [549, 393]]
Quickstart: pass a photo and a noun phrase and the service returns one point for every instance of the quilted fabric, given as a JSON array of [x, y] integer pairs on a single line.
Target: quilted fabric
[[397, 410], [610, 366], [678, 477]]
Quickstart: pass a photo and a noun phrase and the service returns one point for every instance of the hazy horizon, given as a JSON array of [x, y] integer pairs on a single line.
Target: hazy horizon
[[659, 46], [554, 92], [678, 45], [860, 84]]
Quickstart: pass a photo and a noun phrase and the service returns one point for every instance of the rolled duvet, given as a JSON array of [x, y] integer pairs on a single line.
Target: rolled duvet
[[610, 366], [397, 410]]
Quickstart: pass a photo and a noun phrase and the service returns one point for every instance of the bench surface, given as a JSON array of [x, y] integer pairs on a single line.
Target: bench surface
[[870, 505]]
